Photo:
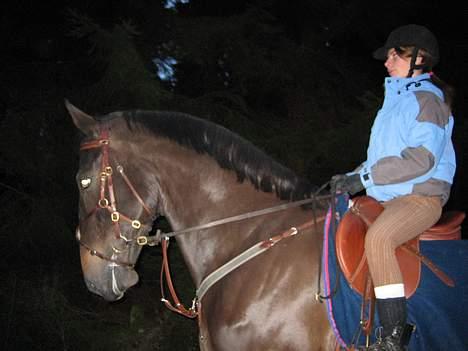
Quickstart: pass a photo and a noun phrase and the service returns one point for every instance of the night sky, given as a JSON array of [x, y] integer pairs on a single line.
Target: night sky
[[45, 304]]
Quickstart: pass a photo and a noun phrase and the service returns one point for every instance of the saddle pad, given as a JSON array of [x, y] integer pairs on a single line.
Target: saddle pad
[[438, 311]]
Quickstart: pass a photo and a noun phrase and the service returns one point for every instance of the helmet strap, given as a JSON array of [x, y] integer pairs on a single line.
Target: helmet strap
[[413, 65]]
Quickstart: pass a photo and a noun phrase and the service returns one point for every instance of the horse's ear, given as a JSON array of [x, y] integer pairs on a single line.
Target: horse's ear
[[84, 122]]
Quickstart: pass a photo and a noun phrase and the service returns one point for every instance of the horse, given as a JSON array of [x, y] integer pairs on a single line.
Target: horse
[[137, 165]]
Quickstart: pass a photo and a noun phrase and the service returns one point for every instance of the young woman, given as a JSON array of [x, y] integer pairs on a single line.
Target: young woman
[[409, 168]]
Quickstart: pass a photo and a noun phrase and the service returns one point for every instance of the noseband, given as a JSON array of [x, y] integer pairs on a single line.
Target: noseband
[[107, 201]]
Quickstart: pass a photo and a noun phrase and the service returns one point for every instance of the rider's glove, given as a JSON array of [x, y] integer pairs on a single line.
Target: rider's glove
[[342, 183]]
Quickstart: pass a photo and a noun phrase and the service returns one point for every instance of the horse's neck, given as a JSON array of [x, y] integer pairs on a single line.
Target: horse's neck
[[194, 190], [206, 250]]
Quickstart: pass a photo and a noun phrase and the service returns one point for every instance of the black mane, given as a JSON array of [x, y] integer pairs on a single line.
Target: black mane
[[231, 151]]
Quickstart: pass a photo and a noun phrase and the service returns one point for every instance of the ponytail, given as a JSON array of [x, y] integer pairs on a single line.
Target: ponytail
[[447, 90], [428, 62]]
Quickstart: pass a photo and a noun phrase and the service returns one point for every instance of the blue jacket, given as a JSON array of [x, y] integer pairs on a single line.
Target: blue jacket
[[410, 149]]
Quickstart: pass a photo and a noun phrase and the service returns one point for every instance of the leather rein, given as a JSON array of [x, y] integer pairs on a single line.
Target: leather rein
[[109, 203]]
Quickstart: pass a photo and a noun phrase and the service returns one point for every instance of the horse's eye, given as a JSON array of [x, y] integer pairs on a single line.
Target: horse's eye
[[85, 182]]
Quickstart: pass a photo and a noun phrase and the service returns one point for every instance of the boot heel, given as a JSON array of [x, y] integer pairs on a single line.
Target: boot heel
[[406, 333]]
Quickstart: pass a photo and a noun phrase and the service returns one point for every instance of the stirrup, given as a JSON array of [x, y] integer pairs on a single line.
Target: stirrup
[[398, 340]]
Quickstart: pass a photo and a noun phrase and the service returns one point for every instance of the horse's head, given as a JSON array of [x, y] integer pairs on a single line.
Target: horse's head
[[114, 208]]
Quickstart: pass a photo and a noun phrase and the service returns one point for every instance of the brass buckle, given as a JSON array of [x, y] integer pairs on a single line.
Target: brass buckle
[[136, 224], [115, 216], [142, 240], [103, 203]]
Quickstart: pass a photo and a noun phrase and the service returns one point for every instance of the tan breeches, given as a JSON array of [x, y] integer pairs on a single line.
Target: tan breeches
[[402, 219]]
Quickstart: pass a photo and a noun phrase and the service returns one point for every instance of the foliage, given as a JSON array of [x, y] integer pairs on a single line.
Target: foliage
[[124, 82]]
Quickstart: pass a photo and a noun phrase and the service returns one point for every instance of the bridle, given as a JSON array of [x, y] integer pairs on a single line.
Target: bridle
[[107, 201], [110, 204]]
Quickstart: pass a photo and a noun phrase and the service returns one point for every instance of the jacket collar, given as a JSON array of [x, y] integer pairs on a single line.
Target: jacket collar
[[400, 85]]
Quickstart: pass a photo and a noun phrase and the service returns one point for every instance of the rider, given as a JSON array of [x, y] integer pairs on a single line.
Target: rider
[[409, 168]]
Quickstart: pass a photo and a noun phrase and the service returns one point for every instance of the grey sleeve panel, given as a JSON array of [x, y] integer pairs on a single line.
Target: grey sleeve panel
[[432, 109], [433, 187], [413, 163]]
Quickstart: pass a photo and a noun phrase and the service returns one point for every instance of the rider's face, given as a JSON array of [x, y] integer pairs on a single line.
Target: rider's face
[[398, 66]]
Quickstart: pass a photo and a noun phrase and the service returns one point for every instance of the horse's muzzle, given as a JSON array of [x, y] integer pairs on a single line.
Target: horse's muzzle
[[117, 281]]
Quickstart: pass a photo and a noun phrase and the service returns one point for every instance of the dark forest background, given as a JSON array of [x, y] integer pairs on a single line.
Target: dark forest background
[[294, 77]]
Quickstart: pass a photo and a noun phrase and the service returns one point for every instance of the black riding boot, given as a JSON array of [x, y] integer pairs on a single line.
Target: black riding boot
[[395, 333]]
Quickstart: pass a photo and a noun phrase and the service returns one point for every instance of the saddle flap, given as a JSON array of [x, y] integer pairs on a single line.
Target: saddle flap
[[350, 250], [350, 239]]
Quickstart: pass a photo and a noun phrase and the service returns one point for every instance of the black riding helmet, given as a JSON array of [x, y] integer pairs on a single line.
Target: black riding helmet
[[411, 35]]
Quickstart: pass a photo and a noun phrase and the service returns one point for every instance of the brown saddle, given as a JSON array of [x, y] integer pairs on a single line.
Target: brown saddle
[[350, 237]]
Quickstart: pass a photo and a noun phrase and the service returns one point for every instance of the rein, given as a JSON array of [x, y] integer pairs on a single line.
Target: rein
[[106, 185], [156, 239]]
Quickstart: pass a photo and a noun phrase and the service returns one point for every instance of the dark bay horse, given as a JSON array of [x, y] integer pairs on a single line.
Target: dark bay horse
[[137, 165]]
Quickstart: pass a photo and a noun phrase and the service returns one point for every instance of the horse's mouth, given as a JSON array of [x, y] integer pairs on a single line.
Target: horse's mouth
[[113, 288], [102, 292]]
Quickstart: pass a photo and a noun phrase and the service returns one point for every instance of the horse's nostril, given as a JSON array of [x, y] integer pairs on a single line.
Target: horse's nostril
[[91, 286]]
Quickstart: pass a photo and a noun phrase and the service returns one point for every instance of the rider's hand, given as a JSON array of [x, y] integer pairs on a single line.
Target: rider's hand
[[342, 183]]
